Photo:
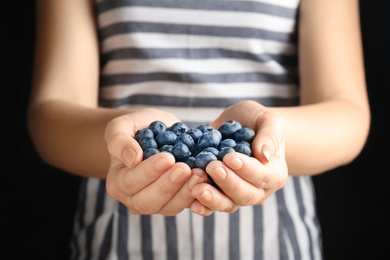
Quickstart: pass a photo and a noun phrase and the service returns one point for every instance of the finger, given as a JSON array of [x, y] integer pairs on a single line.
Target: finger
[[213, 199], [200, 209], [241, 191], [183, 198], [256, 173], [269, 136], [153, 197], [120, 142]]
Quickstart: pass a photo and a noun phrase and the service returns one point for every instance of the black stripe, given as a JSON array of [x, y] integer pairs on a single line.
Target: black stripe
[[186, 29], [240, 6], [107, 239], [82, 200], [171, 237], [196, 53], [157, 100], [248, 77], [258, 230], [208, 237], [146, 233], [122, 232], [101, 192], [287, 227], [234, 235]]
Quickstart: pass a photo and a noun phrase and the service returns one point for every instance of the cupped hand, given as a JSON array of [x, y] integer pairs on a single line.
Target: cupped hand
[[245, 180], [157, 185]]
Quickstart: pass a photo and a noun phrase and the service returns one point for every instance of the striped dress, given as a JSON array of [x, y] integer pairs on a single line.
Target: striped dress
[[194, 58]]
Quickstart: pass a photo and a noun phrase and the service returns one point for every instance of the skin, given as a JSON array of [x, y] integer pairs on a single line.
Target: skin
[[71, 132]]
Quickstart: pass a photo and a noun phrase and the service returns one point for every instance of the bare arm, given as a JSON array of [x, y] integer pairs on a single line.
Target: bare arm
[[65, 123], [330, 127]]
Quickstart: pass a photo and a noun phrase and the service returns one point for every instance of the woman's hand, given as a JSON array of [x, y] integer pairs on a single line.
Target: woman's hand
[[155, 185], [245, 180]]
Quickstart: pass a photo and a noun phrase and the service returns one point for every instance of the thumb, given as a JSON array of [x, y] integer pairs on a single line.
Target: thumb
[[269, 138]]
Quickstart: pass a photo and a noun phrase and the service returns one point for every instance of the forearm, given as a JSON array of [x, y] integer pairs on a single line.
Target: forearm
[[71, 137], [323, 136]]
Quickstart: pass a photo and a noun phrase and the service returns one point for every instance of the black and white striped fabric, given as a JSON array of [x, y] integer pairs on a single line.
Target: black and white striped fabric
[[194, 58]]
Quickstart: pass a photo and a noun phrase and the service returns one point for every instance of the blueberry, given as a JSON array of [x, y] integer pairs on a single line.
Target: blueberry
[[191, 162], [205, 128], [209, 139], [148, 143], [244, 134], [228, 129], [203, 159], [143, 133], [157, 127], [150, 152], [195, 150], [242, 148], [226, 143], [166, 137], [195, 133], [166, 148], [181, 152], [224, 151], [185, 139], [243, 142], [179, 128], [211, 150]]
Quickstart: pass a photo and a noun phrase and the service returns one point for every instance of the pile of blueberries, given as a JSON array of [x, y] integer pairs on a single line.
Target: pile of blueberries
[[196, 147]]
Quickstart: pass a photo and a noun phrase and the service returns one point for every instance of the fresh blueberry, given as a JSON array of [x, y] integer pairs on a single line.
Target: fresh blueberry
[[211, 150], [209, 139], [224, 151], [185, 139], [150, 152], [203, 159], [244, 134], [228, 129], [195, 150], [166, 148], [242, 148], [191, 162], [148, 143], [166, 137], [179, 128], [205, 128], [157, 127], [195, 133], [143, 133], [181, 152], [226, 143], [243, 142]]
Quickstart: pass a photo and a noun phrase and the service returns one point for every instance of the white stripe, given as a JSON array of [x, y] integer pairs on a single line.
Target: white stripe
[[191, 66], [209, 90], [221, 235], [246, 233], [159, 238], [283, 3], [134, 234], [184, 234], [197, 229], [270, 224], [197, 17], [293, 210], [158, 40], [113, 254], [309, 202]]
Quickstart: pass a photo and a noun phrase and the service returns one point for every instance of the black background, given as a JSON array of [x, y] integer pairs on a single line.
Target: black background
[[38, 201]]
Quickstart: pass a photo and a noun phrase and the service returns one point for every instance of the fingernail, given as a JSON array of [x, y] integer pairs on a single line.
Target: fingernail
[[266, 155], [195, 179], [161, 164], [177, 175], [235, 164], [218, 174], [205, 196], [128, 157]]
